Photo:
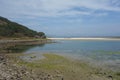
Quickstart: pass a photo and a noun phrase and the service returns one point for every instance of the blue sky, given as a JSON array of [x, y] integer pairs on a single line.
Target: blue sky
[[65, 17]]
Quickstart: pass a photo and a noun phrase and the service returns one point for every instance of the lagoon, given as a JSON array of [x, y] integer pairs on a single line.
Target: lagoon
[[95, 52]]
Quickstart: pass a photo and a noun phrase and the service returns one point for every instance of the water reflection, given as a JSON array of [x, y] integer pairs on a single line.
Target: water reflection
[[22, 48]]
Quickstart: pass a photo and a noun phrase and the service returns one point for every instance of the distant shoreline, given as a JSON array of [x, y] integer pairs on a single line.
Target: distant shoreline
[[84, 39]]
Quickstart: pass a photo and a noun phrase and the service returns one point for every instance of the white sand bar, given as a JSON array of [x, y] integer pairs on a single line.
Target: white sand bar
[[85, 39]]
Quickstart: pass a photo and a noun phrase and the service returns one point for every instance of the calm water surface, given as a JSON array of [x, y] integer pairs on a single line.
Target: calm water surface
[[100, 52]]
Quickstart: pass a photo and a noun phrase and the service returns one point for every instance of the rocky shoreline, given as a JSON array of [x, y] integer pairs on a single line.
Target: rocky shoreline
[[11, 71], [53, 67]]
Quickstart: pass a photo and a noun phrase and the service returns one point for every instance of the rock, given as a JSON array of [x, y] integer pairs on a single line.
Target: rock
[[2, 58], [10, 71], [110, 76], [62, 78], [58, 72]]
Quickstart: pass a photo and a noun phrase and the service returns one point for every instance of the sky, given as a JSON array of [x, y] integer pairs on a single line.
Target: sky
[[65, 17]]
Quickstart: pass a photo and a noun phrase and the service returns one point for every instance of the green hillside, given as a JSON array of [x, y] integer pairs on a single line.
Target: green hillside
[[13, 29]]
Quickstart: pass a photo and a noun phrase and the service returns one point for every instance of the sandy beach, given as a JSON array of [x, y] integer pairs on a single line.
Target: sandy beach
[[84, 38]]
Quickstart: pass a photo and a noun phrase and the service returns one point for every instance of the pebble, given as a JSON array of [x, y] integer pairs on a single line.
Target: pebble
[[10, 71]]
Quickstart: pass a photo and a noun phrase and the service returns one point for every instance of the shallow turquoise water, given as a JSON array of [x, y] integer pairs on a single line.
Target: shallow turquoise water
[[100, 52], [82, 48]]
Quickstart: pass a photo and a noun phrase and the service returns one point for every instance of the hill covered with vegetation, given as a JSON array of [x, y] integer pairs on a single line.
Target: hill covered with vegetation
[[13, 29]]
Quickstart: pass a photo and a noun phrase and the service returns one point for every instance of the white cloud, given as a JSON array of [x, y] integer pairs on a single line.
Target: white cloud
[[53, 8]]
